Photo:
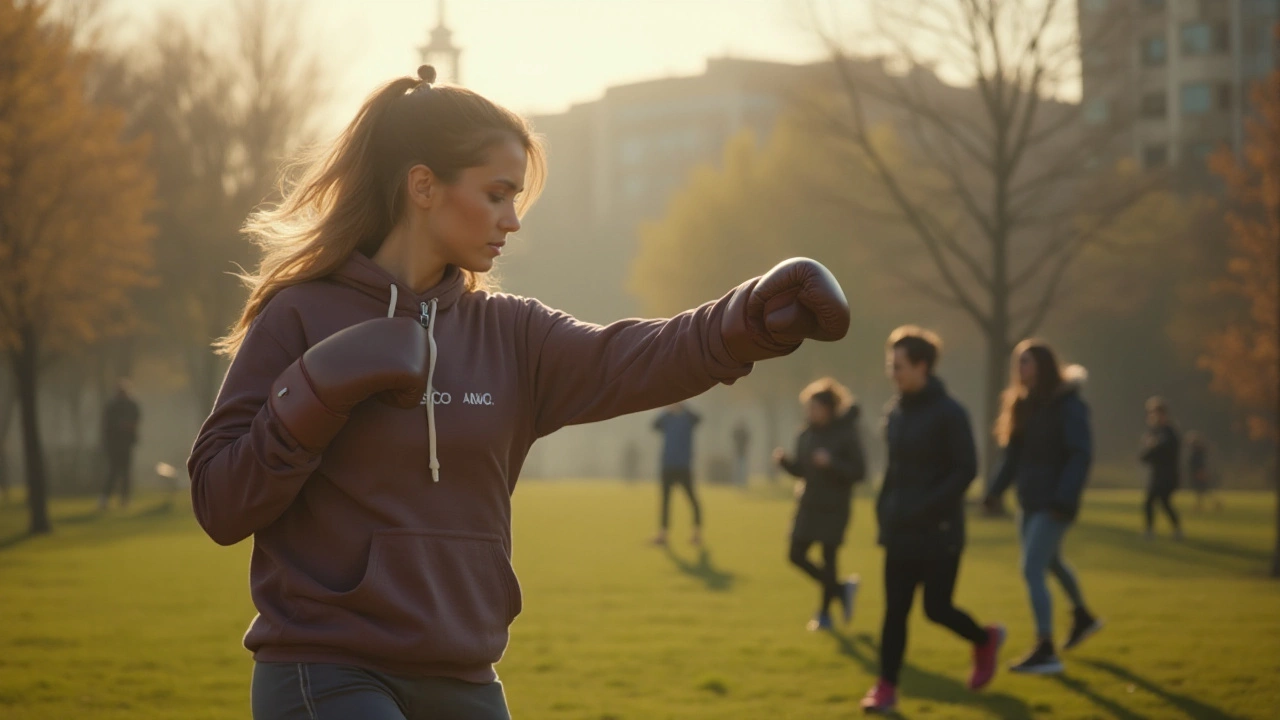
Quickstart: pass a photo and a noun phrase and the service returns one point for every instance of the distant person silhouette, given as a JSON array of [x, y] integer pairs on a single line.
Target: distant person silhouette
[[677, 424], [1202, 479], [120, 419], [741, 446], [1162, 453]]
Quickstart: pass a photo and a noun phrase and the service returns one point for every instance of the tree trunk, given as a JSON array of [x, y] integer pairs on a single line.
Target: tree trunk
[[1275, 557], [26, 374]]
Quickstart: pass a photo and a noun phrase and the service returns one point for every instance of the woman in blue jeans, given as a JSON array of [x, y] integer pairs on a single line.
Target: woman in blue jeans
[[1044, 428]]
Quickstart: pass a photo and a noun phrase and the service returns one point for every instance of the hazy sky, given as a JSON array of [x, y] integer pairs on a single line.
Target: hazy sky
[[536, 55]]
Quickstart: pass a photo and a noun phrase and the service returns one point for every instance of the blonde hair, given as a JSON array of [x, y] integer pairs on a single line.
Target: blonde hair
[[347, 197]]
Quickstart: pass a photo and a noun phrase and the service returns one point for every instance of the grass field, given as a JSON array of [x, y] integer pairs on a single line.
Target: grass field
[[137, 615]]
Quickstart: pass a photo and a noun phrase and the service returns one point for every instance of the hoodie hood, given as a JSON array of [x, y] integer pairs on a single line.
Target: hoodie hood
[[1074, 378], [363, 274]]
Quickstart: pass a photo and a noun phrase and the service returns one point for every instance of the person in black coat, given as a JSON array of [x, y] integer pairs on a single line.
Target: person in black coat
[[1162, 452], [931, 463], [830, 461], [1044, 429], [120, 420]]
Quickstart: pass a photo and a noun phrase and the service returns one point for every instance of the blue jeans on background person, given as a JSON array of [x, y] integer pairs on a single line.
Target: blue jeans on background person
[[1041, 554]]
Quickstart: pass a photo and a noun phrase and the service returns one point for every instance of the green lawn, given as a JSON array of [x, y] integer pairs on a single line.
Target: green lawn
[[138, 615]]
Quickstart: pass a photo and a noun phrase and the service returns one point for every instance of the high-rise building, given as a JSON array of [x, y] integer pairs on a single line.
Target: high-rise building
[[1174, 75]]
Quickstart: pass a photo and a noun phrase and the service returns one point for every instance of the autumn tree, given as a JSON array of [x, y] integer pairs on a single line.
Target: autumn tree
[[1010, 184], [1244, 357], [223, 111], [74, 196]]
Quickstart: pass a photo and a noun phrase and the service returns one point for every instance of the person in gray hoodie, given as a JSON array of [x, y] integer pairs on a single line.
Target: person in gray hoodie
[[381, 401], [1045, 431]]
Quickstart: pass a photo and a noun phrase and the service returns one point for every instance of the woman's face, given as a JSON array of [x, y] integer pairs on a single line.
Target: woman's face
[[1027, 370], [469, 220], [817, 413]]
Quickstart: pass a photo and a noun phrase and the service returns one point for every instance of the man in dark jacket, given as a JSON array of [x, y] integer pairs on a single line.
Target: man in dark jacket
[[1161, 451], [119, 434], [931, 462]]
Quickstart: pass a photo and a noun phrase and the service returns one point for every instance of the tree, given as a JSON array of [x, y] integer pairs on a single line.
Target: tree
[[74, 242], [1009, 188], [1244, 358], [737, 220], [223, 113]]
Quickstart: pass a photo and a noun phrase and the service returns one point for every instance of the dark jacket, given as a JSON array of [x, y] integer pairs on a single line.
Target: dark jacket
[[120, 423], [358, 557], [1048, 458], [1161, 455], [931, 463], [823, 512]]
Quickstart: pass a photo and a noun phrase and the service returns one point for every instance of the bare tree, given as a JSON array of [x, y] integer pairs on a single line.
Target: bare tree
[[1002, 183], [222, 122]]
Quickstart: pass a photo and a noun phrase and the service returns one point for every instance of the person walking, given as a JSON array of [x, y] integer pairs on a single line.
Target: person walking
[[677, 424], [829, 461], [1162, 453], [931, 463], [1048, 448]]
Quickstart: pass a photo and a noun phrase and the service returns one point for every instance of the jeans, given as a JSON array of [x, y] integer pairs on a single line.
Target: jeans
[[825, 575], [683, 477], [1042, 553], [319, 691]]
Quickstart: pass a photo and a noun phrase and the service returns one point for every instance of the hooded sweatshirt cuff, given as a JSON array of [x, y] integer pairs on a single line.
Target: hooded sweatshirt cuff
[[295, 404]]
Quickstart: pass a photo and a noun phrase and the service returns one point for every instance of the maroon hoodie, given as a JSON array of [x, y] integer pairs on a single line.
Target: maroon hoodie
[[359, 557]]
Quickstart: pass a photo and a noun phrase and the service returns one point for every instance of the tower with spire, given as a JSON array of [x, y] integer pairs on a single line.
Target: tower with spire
[[440, 51]]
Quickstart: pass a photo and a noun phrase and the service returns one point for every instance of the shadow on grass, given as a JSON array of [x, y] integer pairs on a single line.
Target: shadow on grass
[[111, 525], [1132, 539], [919, 683], [703, 569], [1192, 707]]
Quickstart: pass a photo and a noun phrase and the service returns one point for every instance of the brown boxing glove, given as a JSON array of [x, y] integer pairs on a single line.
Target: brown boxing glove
[[386, 357], [797, 300]]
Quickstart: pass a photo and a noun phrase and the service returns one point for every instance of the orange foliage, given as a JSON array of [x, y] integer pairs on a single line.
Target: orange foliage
[[1243, 357]]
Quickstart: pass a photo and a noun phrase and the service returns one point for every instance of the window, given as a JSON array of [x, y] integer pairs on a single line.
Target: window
[[1153, 51], [1095, 5], [1155, 156], [1205, 38], [1097, 111], [1224, 96], [1197, 98], [1153, 5], [1154, 105]]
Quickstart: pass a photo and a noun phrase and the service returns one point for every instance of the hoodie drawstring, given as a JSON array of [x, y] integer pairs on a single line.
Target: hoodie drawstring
[[429, 317], [428, 320]]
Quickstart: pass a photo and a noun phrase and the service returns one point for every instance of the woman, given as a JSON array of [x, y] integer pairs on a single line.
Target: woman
[[380, 404], [1044, 428], [830, 462]]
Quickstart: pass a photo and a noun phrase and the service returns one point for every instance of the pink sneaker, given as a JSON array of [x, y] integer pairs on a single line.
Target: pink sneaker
[[985, 658], [882, 698]]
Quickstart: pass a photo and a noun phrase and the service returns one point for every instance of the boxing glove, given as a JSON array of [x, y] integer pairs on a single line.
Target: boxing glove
[[770, 316], [386, 357]]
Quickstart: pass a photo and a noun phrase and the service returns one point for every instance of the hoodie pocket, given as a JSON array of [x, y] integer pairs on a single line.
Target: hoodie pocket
[[427, 596]]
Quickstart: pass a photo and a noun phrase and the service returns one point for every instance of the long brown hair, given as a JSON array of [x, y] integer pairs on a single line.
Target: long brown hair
[[348, 197], [1017, 397]]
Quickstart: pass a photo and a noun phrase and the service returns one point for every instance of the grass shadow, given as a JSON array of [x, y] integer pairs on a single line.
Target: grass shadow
[[98, 525], [1133, 540], [917, 682], [703, 569], [1192, 707]]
